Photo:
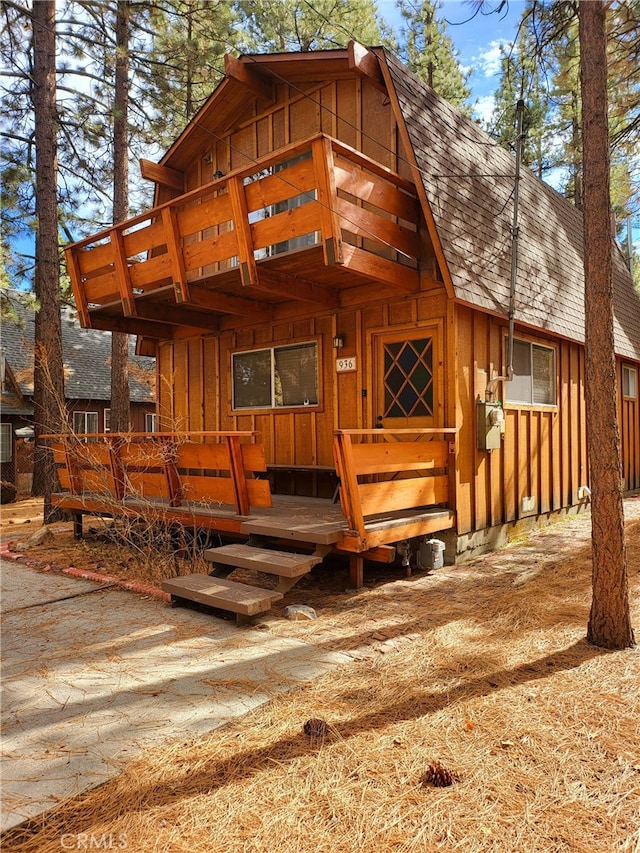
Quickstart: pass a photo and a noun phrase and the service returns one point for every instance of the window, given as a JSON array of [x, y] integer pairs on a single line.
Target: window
[[150, 422], [534, 375], [276, 377], [107, 420], [6, 443], [629, 382], [84, 422]]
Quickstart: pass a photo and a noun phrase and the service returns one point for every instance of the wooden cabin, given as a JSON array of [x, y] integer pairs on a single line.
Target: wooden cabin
[[326, 271]]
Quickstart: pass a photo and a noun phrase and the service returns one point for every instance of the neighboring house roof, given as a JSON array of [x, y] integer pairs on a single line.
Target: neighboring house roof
[[11, 404], [468, 180], [86, 354]]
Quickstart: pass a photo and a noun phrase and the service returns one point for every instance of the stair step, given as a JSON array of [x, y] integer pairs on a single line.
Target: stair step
[[320, 533], [279, 563], [225, 595]]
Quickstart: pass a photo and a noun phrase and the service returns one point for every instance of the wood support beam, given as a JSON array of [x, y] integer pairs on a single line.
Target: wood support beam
[[248, 76], [222, 303], [130, 325], [177, 315], [366, 64], [147, 346], [172, 178], [291, 287], [403, 278]]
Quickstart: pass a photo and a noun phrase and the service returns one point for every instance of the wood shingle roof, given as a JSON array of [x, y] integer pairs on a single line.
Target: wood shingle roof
[[86, 354], [468, 180]]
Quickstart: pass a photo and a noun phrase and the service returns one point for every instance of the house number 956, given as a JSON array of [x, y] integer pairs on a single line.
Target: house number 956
[[344, 365]]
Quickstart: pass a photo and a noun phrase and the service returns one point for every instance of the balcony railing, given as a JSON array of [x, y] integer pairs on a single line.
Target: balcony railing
[[196, 250]]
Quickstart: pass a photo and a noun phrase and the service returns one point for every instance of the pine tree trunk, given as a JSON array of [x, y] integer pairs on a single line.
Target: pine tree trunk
[[120, 393], [609, 621], [48, 378]]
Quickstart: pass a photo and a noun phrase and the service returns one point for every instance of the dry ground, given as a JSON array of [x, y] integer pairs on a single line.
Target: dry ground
[[482, 667]]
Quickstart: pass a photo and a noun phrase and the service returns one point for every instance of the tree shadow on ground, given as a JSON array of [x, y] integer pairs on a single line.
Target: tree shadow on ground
[[414, 704]]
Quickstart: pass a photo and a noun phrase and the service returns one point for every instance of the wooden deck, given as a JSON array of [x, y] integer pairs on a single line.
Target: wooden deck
[[389, 491], [211, 255]]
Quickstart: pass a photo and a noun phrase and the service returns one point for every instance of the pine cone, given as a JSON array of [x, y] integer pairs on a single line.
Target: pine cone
[[439, 776], [316, 728]]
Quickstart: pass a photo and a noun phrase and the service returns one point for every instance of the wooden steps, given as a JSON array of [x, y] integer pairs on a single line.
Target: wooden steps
[[280, 563], [298, 530], [239, 598]]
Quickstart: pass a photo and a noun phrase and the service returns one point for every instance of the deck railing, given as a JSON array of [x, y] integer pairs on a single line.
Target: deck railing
[[169, 467], [363, 215], [381, 472]]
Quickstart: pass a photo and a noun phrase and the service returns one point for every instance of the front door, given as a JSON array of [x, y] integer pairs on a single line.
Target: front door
[[409, 379]]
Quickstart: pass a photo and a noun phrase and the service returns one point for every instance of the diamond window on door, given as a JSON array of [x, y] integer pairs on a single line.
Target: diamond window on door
[[408, 379]]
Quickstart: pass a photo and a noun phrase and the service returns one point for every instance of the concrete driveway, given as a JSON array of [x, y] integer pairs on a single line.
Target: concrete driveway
[[91, 677]]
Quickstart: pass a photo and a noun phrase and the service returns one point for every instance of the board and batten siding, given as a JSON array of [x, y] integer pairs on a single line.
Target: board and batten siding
[[350, 110], [543, 459], [194, 377]]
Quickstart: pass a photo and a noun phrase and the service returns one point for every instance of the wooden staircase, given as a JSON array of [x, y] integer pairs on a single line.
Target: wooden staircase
[[214, 590]]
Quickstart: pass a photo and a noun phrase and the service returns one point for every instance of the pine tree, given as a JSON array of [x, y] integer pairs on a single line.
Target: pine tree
[[277, 26], [184, 60], [430, 52], [48, 380], [522, 77], [609, 620], [120, 394]]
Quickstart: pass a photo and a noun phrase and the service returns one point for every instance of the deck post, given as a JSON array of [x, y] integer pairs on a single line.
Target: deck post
[[349, 497], [117, 467], [242, 229], [356, 571], [174, 484], [172, 233], [122, 273], [323, 166], [75, 477], [236, 468], [77, 525]]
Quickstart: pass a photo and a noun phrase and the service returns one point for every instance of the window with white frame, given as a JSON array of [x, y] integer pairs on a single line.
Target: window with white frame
[[629, 382], [6, 443], [107, 420], [85, 422], [150, 422], [534, 375], [276, 377]]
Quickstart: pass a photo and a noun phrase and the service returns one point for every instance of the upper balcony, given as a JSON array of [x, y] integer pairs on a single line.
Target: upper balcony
[[304, 227]]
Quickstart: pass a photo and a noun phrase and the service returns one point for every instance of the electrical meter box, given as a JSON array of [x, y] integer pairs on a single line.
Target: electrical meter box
[[490, 425]]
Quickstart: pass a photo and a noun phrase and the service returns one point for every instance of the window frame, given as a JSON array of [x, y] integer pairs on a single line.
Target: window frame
[[514, 404], [106, 420], [154, 421], [84, 415], [6, 442], [629, 370], [272, 407]]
